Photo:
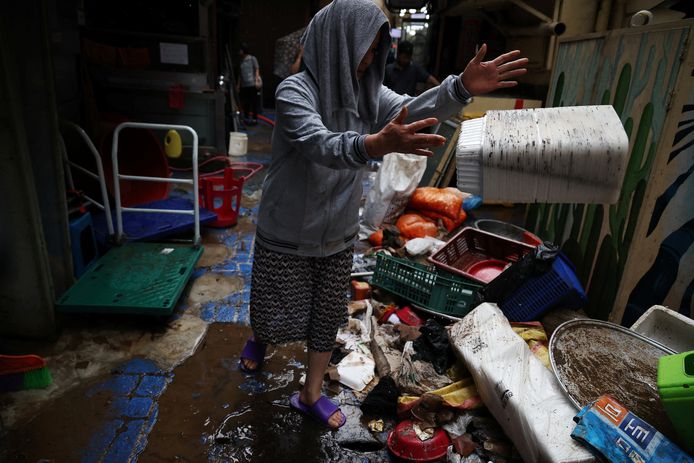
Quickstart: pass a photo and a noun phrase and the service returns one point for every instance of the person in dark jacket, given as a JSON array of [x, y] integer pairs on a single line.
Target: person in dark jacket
[[403, 75], [332, 119]]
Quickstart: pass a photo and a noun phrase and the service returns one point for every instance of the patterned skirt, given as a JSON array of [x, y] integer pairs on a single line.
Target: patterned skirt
[[298, 298]]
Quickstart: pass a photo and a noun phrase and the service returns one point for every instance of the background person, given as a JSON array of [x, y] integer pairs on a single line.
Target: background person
[[403, 75], [249, 74], [332, 119]]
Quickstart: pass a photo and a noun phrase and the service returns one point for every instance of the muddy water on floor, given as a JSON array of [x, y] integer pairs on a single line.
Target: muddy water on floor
[[61, 431], [214, 286], [213, 254], [214, 412]]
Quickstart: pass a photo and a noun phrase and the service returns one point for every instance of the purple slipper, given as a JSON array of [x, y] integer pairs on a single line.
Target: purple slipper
[[322, 410], [254, 351]]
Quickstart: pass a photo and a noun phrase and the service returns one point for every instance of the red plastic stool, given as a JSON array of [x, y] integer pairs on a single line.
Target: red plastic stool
[[222, 195]]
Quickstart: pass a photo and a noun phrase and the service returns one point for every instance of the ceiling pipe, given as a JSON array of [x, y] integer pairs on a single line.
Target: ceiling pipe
[[533, 11], [547, 27], [543, 29]]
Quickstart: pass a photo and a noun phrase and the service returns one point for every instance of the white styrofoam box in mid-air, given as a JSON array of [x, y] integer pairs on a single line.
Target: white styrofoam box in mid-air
[[550, 155], [469, 169]]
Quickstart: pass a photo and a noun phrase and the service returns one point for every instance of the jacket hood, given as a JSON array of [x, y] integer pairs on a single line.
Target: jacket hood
[[336, 40]]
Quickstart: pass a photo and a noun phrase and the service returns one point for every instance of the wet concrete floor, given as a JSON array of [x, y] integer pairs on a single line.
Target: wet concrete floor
[[210, 411], [129, 388]]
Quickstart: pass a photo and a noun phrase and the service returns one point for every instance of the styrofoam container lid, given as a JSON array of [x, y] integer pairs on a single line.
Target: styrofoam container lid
[[559, 155]]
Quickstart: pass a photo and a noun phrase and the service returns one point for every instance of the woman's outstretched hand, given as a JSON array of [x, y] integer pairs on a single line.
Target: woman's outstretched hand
[[398, 137], [480, 77]]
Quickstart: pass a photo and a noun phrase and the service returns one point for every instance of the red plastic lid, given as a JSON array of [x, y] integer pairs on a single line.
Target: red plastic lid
[[408, 317], [487, 270], [387, 313], [404, 443]]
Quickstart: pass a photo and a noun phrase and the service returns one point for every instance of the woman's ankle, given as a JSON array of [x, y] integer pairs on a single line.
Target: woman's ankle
[[307, 397]]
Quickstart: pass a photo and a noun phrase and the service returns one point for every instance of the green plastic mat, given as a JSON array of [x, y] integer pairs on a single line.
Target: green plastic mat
[[137, 278]]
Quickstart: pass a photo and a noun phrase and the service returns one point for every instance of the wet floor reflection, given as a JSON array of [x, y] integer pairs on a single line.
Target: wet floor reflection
[[243, 418]]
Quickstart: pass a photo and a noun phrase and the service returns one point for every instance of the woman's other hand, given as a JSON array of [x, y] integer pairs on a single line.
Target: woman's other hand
[[398, 137], [480, 77]]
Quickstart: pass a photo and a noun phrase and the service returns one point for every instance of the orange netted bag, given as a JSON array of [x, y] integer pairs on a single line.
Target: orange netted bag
[[453, 224], [416, 226], [444, 201], [376, 238]]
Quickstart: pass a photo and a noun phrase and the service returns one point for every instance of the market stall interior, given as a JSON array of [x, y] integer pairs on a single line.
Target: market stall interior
[[522, 294]]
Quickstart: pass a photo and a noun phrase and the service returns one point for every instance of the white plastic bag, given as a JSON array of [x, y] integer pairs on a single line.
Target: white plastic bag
[[396, 179], [421, 246], [523, 395], [356, 370]]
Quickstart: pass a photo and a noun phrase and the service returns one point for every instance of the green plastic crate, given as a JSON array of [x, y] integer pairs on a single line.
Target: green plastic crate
[[425, 286], [135, 278], [676, 389]]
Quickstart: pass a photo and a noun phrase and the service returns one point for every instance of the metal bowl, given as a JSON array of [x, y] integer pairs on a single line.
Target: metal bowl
[[591, 358], [507, 230]]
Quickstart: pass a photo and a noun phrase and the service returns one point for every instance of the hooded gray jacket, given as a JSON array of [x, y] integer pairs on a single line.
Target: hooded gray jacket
[[312, 192]]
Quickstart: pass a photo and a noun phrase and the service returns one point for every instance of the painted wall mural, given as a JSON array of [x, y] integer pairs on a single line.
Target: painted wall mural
[[632, 253]]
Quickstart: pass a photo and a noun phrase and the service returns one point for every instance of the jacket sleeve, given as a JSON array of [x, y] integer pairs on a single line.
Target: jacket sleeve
[[440, 102], [301, 126]]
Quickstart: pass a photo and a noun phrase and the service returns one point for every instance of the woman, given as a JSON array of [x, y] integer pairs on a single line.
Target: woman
[[249, 74], [332, 119]]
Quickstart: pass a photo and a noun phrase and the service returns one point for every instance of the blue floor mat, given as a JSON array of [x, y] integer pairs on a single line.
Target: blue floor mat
[[141, 226]]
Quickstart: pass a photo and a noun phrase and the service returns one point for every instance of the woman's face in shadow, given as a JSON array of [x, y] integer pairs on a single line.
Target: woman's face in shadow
[[369, 56]]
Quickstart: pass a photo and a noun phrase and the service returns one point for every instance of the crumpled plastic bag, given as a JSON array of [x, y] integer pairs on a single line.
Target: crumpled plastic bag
[[417, 377], [383, 348], [455, 458], [356, 371], [423, 246], [395, 181], [382, 400], [357, 332], [533, 333], [433, 346], [461, 395], [459, 426]]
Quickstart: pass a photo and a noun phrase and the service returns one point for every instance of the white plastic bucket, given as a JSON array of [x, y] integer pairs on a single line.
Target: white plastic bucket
[[238, 144]]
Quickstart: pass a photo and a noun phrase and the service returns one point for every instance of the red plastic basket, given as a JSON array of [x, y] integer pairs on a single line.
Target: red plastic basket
[[222, 195], [467, 253]]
